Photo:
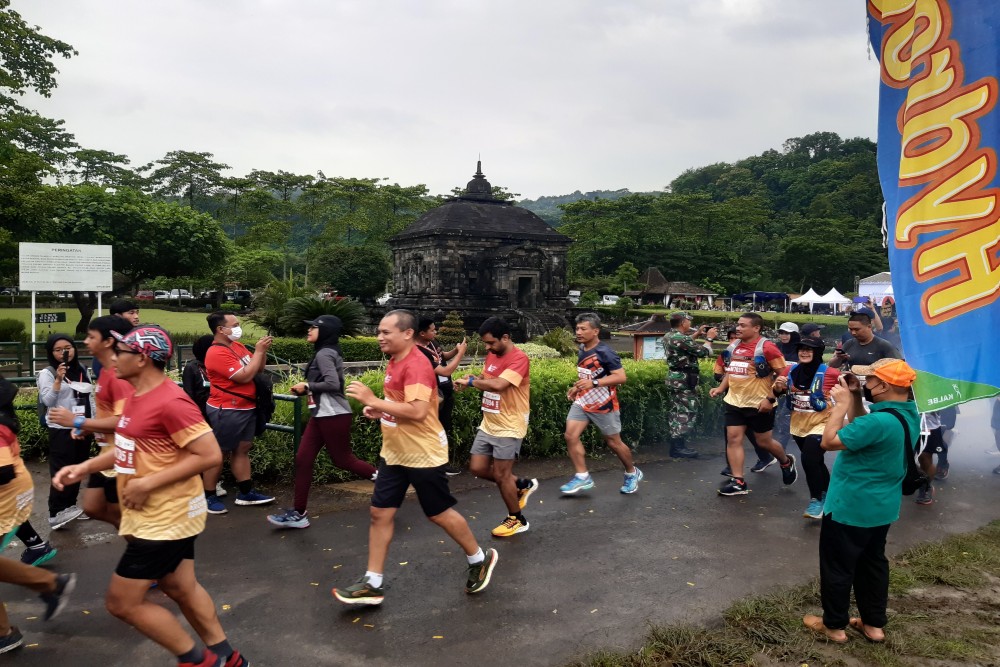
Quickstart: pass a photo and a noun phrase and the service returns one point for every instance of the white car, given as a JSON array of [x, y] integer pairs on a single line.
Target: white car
[[609, 300], [180, 294], [384, 299], [161, 295]]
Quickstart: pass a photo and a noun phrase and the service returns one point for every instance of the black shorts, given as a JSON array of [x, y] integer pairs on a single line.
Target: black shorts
[[431, 485], [753, 419], [109, 484], [154, 559]]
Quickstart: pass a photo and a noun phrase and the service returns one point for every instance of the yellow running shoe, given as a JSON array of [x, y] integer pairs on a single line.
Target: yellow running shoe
[[510, 526], [523, 494]]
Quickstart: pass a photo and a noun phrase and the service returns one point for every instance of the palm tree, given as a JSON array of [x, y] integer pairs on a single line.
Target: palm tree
[[296, 311]]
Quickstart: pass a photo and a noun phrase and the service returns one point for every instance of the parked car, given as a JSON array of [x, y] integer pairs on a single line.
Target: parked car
[[144, 295], [574, 296], [180, 294], [161, 294], [243, 297], [609, 300]]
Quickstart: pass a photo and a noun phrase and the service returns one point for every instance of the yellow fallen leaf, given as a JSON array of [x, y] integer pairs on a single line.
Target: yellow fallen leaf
[[32, 646], [405, 562], [591, 511], [438, 637], [593, 611], [31, 618], [690, 584], [314, 583], [85, 611], [369, 625], [356, 620], [337, 566], [226, 607]]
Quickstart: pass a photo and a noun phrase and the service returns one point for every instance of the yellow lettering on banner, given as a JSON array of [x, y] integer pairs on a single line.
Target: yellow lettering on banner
[[945, 133], [905, 45], [940, 150]]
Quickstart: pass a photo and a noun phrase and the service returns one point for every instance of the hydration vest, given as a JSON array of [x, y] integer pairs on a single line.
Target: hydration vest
[[762, 368], [817, 401]]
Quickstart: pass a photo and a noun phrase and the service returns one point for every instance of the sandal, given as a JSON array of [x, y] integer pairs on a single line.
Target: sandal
[[859, 625], [815, 623]]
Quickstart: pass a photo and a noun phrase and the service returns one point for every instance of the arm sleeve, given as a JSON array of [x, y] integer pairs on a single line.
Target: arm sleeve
[[418, 383], [46, 394], [329, 382], [610, 360], [184, 422], [774, 357], [517, 371]]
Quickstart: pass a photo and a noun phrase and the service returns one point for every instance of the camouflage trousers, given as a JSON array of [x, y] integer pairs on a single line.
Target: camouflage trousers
[[684, 406]]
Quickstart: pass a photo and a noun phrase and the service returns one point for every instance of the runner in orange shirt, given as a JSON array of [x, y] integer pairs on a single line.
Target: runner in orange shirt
[[414, 452], [506, 388]]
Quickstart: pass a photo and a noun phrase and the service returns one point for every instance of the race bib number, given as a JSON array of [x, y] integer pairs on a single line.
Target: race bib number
[[491, 402], [800, 403], [124, 455], [738, 368], [387, 419], [79, 410], [584, 373], [443, 379]]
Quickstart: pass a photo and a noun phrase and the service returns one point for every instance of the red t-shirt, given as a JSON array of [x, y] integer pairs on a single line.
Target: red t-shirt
[[151, 435], [222, 363], [405, 442]]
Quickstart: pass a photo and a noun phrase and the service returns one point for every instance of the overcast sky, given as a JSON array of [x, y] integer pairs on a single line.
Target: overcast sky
[[556, 95]]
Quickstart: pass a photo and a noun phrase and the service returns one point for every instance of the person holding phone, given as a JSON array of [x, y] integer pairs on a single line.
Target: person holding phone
[[66, 384]]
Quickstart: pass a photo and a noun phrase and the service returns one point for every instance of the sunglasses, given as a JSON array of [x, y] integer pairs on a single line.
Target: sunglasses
[[119, 350]]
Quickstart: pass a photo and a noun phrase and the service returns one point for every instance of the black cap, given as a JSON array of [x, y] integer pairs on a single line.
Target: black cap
[[331, 320], [813, 343], [810, 328]]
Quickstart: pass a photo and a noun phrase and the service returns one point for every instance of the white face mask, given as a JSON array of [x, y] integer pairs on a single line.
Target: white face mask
[[235, 333]]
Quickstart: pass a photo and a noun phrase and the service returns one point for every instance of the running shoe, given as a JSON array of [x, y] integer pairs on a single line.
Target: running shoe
[[43, 553], [510, 526], [763, 464], [451, 472], [726, 472], [253, 498], [63, 517], [209, 660], [631, 483], [925, 496], [525, 493], [237, 660], [734, 487], [576, 484], [13, 639], [360, 593], [942, 472], [814, 510], [220, 490], [289, 519], [480, 573], [56, 601], [788, 473], [215, 506]]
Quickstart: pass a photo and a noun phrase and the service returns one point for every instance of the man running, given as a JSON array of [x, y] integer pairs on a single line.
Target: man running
[[162, 444], [750, 365], [506, 388], [595, 399], [100, 498], [414, 452]]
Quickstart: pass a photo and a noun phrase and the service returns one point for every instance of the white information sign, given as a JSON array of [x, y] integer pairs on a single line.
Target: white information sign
[[59, 267]]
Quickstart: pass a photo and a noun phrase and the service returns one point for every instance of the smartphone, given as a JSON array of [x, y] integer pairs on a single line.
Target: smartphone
[[66, 357]]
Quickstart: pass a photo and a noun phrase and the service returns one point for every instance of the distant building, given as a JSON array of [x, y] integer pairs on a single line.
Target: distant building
[[654, 289], [481, 257]]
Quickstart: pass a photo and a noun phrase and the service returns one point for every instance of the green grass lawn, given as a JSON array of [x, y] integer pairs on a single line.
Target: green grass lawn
[[173, 322]]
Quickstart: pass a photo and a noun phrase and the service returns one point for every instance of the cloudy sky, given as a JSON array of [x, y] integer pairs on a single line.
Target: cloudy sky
[[556, 95]]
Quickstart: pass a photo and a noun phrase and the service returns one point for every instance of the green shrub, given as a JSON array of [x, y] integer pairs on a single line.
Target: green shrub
[[538, 351], [299, 350], [361, 348], [230, 306], [559, 339], [300, 309], [292, 350], [452, 330], [12, 331]]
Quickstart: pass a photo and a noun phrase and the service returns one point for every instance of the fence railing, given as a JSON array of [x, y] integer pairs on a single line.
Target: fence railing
[[295, 429]]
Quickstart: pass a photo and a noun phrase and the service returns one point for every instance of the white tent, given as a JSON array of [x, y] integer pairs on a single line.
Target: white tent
[[877, 287], [834, 297], [809, 297]]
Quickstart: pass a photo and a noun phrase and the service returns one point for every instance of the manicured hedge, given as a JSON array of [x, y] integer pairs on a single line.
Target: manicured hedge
[[299, 350]]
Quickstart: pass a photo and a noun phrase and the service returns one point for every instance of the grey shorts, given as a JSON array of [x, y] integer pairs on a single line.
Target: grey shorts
[[506, 449], [231, 427], [609, 423]]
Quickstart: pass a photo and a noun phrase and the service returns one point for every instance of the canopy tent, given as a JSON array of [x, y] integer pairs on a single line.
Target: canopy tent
[[760, 297], [833, 298], [809, 297], [877, 287]]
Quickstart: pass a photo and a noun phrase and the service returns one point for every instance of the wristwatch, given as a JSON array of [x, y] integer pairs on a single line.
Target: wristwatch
[[771, 399], [596, 383]]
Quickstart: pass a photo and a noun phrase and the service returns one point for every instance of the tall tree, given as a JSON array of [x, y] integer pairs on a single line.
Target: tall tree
[[97, 167], [190, 175]]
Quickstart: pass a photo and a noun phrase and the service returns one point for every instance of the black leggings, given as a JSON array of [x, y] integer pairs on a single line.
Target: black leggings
[[817, 474], [64, 451]]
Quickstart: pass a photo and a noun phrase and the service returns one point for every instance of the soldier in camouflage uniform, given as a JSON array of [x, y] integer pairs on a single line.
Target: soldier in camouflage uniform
[[682, 354]]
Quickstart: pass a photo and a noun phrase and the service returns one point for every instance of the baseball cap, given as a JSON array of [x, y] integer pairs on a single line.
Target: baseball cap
[[893, 371], [790, 327], [149, 340], [810, 328], [683, 314]]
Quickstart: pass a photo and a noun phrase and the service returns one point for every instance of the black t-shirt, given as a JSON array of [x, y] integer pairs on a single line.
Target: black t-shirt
[[864, 355]]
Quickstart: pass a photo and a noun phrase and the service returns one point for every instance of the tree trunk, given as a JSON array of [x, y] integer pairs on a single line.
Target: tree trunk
[[86, 303]]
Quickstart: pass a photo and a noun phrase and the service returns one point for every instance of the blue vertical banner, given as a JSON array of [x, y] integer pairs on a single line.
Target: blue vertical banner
[[938, 136]]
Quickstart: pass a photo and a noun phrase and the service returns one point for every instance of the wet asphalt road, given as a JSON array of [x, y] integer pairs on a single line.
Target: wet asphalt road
[[592, 573]]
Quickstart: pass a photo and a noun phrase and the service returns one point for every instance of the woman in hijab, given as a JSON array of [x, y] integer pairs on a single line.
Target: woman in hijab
[[330, 422], [16, 494], [66, 384], [809, 397]]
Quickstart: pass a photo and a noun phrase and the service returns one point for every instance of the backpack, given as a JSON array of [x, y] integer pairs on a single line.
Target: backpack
[[762, 368], [915, 477], [817, 401]]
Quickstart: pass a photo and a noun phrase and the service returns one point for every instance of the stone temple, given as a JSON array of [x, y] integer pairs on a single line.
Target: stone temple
[[481, 256]]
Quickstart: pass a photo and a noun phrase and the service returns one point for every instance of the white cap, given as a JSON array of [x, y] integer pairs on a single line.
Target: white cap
[[789, 327]]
